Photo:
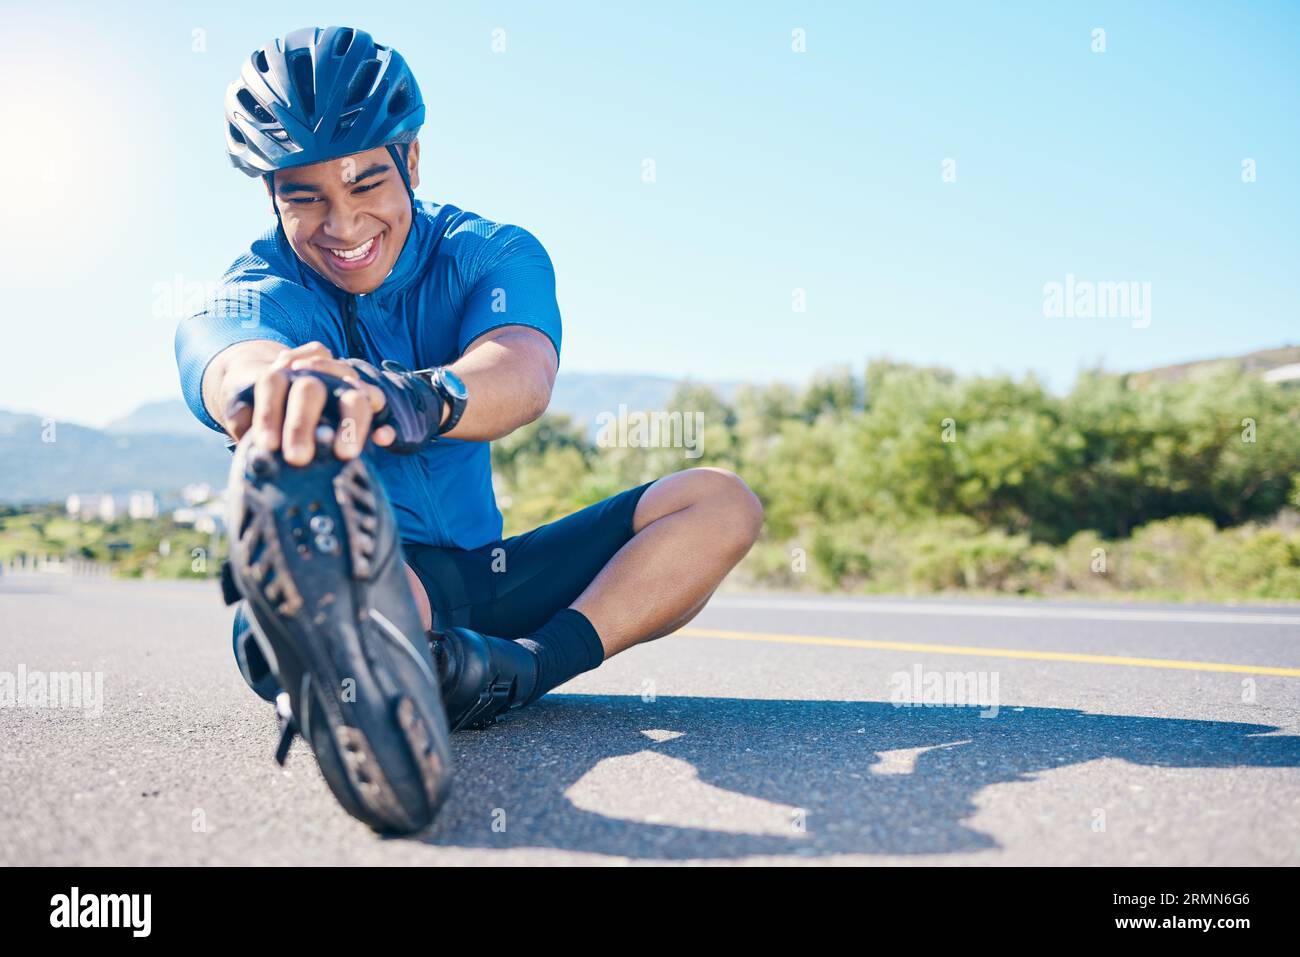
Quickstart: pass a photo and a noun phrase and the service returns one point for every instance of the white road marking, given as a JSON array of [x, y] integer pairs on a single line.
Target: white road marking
[[955, 610]]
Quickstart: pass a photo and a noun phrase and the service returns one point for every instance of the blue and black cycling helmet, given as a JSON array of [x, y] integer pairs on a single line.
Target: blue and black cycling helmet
[[319, 94]]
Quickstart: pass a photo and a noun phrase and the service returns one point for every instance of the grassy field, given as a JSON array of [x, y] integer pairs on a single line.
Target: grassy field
[[132, 548]]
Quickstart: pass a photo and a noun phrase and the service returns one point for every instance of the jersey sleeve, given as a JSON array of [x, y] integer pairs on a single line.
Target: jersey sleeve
[[513, 286], [243, 308]]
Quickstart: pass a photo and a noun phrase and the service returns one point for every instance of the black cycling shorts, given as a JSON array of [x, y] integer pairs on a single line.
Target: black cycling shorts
[[512, 587]]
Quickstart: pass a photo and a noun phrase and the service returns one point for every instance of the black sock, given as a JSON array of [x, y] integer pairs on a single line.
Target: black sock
[[565, 646]]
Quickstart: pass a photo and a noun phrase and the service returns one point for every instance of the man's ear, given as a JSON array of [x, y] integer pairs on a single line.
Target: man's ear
[[413, 163]]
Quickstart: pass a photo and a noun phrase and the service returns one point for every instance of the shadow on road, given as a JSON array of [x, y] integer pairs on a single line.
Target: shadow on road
[[824, 757]]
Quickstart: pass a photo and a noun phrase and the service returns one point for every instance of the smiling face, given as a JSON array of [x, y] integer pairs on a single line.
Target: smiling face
[[348, 218]]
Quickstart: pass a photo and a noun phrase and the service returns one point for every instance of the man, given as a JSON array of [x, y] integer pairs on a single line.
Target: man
[[363, 515]]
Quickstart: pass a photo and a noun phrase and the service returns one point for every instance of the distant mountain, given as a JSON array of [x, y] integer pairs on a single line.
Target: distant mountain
[[580, 395], [166, 416], [44, 462], [1260, 362], [584, 395], [160, 447]]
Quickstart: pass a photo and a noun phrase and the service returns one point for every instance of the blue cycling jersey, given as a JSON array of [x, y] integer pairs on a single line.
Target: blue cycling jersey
[[458, 276]]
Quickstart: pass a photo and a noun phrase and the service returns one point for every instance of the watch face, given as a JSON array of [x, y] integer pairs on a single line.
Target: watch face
[[454, 385]]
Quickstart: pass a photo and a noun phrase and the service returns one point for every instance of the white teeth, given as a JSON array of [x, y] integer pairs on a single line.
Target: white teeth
[[356, 253]]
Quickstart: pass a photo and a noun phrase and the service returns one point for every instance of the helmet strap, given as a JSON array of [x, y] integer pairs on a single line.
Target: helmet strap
[[275, 207], [399, 157]]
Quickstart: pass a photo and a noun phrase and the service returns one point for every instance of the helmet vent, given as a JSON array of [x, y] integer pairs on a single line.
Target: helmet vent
[[305, 86], [237, 136], [360, 86], [249, 102], [345, 124], [259, 61], [400, 101], [344, 42]]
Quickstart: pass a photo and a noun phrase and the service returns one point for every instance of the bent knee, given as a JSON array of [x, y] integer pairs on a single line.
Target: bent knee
[[726, 490]]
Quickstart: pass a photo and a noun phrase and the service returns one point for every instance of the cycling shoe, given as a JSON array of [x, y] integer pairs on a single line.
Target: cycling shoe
[[315, 555], [482, 677], [248, 658]]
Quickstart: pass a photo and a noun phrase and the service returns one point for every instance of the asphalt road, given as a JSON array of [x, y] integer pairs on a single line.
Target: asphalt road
[[765, 733]]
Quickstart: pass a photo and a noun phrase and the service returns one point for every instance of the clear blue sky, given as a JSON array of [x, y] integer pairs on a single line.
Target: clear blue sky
[[776, 171]]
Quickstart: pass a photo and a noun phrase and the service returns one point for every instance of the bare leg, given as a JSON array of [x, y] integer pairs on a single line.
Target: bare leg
[[421, 598], [691, 528]]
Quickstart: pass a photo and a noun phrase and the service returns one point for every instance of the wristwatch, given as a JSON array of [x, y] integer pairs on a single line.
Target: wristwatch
[[452, 389]]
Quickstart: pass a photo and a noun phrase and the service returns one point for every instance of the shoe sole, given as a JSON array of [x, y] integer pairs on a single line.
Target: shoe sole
[[310, 548]]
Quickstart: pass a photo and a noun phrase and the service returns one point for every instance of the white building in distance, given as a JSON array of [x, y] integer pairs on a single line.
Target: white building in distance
[[142, 505], [196, 493], [87, 508]]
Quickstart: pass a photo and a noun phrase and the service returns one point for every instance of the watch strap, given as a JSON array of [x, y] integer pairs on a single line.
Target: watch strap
[[455, 406]]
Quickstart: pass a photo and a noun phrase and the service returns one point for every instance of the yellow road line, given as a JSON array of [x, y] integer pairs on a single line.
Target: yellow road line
[[975, 651]]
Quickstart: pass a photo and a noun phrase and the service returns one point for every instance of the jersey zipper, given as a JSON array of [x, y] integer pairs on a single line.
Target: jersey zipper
[[351, 331]]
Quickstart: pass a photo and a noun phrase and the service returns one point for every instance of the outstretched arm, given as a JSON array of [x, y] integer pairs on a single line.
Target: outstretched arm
[[508, 372]]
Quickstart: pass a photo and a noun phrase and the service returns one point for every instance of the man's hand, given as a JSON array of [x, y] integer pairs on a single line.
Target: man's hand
[[413, 407], [286, 411]]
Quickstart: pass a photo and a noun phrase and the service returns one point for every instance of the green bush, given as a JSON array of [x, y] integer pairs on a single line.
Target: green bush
[[907, 479], [1256, 563]]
